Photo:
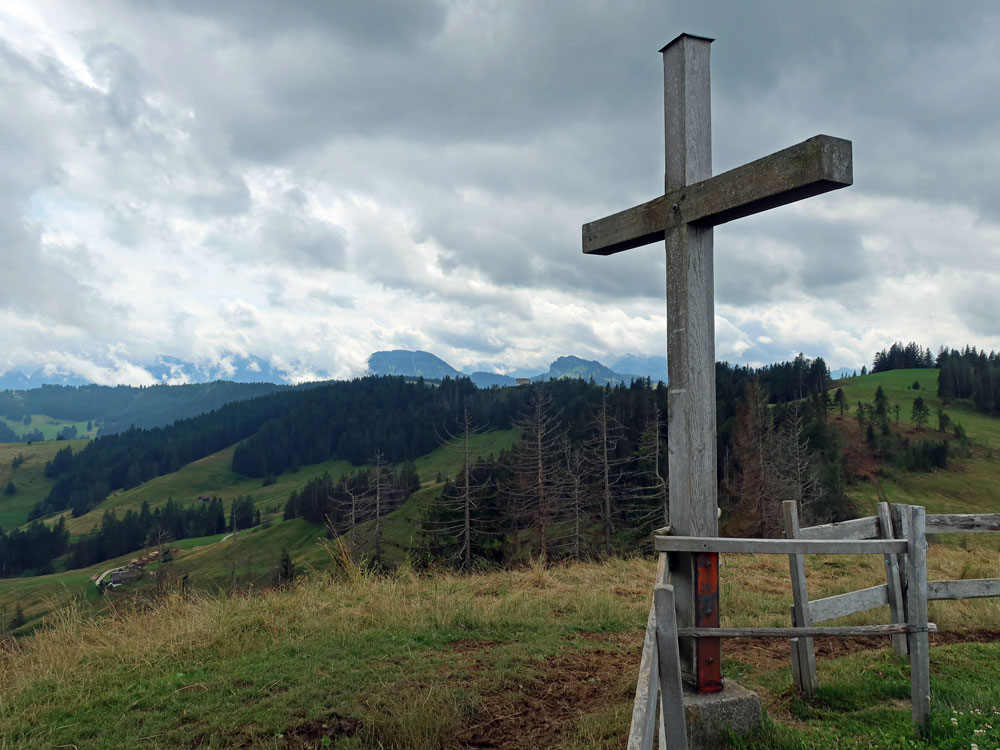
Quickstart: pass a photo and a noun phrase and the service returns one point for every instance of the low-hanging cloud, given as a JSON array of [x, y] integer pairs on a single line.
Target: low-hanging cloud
[[311, 182]]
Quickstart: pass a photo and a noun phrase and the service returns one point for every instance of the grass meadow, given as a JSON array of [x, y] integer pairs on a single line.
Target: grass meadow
[[531, 658], [527, 658]]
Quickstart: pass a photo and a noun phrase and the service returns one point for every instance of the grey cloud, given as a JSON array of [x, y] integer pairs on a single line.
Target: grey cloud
[[549, 114], [473, 341], [975, 301], [747, 281], [378, 22]]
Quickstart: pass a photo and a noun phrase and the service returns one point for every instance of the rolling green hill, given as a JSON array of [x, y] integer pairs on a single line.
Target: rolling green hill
[[533, 657], [970, 484], [29, 478], [211, 566], [50, 426]]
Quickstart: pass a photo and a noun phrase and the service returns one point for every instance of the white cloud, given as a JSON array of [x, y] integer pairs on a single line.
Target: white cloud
[[312, 184]]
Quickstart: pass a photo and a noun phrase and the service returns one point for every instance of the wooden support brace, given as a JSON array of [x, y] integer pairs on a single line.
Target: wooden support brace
[[644, 708], [894, 588], [669, 661], [916, 614], [803, 652]]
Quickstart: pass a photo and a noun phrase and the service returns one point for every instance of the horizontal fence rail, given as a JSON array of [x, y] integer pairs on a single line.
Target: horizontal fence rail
[[962, 523], [857, 528], [780, 546], [838, 631], [832, 607], [969, 588]]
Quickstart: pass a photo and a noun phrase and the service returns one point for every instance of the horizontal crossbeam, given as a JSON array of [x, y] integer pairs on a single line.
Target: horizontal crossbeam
[[780, 546], [815, 166], [856, 528], [841, 631], [849, 603], [969, 588], [953, 523]]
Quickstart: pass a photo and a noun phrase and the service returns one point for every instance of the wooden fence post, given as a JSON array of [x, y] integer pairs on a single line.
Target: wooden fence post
[[644, 709], [916, 614], [895, 593], [673, 727], [900, 530], [803, 653]]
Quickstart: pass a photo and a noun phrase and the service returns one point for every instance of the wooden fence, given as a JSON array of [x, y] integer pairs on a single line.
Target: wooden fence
[[890, 523], [659, 685]]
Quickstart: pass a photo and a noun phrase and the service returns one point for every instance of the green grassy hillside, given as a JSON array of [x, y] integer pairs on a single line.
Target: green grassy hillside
[[29, 478], [213, 475], [897, 385], [530, 658], [969, 484], [50, 426], [254, 554]]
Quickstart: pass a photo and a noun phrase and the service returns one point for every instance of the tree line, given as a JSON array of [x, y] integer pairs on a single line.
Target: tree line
[[31, 550], [971, 375], [34, 549], [589, 475], [899, 357], [116, 408]]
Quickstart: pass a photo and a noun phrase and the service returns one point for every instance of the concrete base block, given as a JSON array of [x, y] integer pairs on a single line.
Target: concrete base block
[[708, 714]]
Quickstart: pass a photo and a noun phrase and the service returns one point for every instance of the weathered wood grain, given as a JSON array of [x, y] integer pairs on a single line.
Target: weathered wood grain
[[812, 167], [669, 662], [803, 652], [967, 523], [900, 530], [970, 588], [856, 528], [643, 727], [814, 631], [779, 546], [831, 607], [690, 283], [916, 613], [894, 591]]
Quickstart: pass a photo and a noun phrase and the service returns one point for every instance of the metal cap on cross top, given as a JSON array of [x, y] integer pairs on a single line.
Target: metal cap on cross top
[[685, 35], [693, 202]]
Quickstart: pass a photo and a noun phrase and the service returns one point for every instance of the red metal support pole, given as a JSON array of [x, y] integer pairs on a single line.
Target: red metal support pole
[[708, 650]]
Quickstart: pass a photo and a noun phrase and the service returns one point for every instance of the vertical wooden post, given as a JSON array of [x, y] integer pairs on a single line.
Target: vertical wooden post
[[901, 530], [916, 615], [691, 417], [674, 728], [803, 651], [897, 612], [644, 708]]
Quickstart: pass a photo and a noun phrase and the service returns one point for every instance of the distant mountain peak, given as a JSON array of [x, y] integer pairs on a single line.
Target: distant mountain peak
[[414, 364], [427, 365]]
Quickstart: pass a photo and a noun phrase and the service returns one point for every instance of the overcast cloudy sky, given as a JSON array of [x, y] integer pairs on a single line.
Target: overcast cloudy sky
[[310, 182]]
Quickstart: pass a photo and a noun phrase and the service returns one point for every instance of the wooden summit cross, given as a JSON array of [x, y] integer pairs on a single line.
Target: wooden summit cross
[[693, 203]]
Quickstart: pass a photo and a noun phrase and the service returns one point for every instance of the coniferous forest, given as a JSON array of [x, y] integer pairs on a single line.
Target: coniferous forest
[[588, 476]]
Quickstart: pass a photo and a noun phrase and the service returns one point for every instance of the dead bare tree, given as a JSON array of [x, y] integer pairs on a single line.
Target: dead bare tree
[[795, 464], [651, 489], [755, 485], [453, 518], [605, 464], [535, 489]]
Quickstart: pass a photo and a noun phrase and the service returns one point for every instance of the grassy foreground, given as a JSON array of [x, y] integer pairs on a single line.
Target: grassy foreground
[[530, 658]]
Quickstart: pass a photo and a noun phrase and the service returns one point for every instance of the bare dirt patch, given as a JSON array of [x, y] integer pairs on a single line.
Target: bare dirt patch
[[310, 733], [546, 711]]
